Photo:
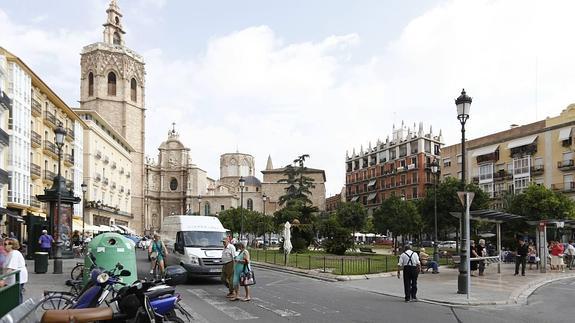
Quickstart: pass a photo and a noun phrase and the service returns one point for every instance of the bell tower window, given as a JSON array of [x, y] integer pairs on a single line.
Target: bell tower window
[[117, 40], [111, 84], [134, 90], [90, 84]]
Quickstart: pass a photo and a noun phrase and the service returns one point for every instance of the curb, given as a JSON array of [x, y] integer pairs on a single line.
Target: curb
[[520, 296]]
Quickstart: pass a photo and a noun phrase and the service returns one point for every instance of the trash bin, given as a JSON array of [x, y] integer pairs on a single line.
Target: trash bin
[[109, 249], [40, 262]]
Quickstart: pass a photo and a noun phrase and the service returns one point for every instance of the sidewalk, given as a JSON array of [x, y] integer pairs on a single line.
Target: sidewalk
[[491, 289], [38, 283]]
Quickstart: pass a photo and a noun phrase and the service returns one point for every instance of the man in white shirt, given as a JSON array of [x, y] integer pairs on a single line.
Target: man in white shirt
[[570, 254], [228, 255], [409, 262]]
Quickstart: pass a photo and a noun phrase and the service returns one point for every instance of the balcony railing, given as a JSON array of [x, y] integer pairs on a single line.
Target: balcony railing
[[5, 101], [537, 169], [105, 181], [568, 164], [36, 108], [35, 202], [35, 171], [50, 119], [69, 184], [49, 147], [36, 139], [49, 176], [70, 134], [502, 175], [4, 137], [69, 158]]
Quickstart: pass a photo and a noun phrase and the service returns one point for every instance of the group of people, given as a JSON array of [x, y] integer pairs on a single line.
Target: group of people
[[560, 255], [236, 260]]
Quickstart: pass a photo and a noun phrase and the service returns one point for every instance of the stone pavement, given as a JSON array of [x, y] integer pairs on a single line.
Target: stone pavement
[[491, 289], [38, 283]]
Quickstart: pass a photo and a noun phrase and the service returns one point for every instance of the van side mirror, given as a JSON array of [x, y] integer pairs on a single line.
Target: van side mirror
[[176, 246]]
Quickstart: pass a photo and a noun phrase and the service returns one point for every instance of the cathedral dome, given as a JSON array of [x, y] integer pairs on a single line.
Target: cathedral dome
[[252, 181]]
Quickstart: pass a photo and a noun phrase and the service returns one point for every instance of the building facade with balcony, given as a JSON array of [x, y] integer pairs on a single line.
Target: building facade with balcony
[[33, 156], [107, 173], [508, 161], [395, 167], [5, 108]]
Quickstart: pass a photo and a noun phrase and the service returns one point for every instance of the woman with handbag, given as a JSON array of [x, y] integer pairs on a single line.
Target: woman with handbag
[[241, 266], [157, 252]]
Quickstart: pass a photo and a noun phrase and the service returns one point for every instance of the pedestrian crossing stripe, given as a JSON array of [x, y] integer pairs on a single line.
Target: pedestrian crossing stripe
[[272, 308], [233, 312]]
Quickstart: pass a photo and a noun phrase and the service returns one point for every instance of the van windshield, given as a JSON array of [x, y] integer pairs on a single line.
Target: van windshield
[[200, 239]]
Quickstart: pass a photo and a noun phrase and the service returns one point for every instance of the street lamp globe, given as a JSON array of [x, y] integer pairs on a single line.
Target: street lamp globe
[[463, 103], [60, 134], [84, 188], [434, 166], [242, 181]]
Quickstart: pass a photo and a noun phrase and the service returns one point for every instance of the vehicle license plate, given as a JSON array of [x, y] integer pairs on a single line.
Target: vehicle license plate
[[215, 270]]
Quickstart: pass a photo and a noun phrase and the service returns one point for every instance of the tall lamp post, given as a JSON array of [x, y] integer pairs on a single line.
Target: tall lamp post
[[242, 184], [265, 198], [199, 205], [463, 103], [84, 190], [60, 133], [435, 170]]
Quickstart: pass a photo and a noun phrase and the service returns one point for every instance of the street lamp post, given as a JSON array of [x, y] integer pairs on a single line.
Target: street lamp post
[[242, 183], [463, 103], [265, 198], [84, 190], [60, 133], [199, 205], [435, 171]]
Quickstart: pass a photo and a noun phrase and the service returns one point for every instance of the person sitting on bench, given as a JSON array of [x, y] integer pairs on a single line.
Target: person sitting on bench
[[427, 263]]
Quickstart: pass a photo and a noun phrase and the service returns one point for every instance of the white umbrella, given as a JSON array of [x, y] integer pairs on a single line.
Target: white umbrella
[[287, 238]]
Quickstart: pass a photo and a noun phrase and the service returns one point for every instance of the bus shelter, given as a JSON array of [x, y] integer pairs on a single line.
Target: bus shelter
[[492, 216], [542, 226]]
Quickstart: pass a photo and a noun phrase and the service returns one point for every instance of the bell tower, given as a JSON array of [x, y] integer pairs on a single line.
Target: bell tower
[[112, 82]]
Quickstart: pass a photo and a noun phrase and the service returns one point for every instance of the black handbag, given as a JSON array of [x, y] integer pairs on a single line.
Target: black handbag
[[247, 277]]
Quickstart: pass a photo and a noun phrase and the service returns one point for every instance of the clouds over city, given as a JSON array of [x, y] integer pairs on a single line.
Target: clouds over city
[[252, 90]]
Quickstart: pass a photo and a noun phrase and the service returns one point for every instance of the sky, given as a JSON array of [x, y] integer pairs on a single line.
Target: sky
[[286, 78]]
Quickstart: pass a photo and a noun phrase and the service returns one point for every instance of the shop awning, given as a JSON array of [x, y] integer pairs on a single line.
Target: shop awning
[[117, 228], [126, 229], [77, 225], [565, 133], [371, 196], [371, 183], [355, 198], [485, 150], [521, 141], [104, 228]]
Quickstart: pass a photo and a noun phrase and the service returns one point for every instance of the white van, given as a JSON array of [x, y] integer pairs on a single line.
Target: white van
[[194, 242]]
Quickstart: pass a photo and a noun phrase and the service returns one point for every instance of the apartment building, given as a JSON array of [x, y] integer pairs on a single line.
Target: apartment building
[[33, 156], [5, 107], [508, 161], [396, 167], [107, 173]]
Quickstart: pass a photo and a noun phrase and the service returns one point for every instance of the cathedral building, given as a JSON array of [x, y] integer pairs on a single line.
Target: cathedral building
[[113, 85]]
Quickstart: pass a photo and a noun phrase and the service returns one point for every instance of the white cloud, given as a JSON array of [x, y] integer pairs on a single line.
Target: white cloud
[[254, 91]]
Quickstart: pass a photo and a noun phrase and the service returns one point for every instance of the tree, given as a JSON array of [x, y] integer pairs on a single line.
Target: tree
[[231, 220], [299, 186], [337, 238], [398, 216], [351, 215]]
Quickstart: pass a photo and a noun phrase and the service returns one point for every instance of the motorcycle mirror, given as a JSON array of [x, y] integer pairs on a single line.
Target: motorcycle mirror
[[125, 273], [119, 266]]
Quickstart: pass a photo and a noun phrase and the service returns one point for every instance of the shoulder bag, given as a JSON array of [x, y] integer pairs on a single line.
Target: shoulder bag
[[247, 277]]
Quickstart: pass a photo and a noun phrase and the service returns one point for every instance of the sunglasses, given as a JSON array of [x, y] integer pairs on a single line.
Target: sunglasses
[[7, 244]]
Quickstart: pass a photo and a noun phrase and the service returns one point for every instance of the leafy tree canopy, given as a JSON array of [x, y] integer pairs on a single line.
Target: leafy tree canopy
[[352, 215]]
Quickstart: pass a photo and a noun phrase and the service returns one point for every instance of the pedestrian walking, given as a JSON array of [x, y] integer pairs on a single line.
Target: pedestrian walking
[[481, 252], [15, 261], [45, 242], [158, 252], [570, 254], [557, 256], [241, 261], [521, 257], [228, 255], [409, 262], [473, 254]]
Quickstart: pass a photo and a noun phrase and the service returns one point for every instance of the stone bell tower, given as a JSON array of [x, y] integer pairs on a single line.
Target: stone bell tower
[[113, 84]]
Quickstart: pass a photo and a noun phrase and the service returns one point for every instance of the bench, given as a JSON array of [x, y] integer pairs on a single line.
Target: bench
[[455, 260], [366, 250]]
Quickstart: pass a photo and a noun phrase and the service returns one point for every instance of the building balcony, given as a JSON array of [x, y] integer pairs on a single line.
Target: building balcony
[[5, 101], [35, 171], [475, 179], [36, 108], [69, 159], [69, 184], [113, 185], [106, 160], [4, 138], [35, 139], [4, 177], [97, 177], [48, 176], [50, 149], [50, 120], [114, 165], [34, 202], [566, 165], [121, 188], [98, 154], [537, 170], [566, 187], [105, 181], [502, 175], [70, 134]]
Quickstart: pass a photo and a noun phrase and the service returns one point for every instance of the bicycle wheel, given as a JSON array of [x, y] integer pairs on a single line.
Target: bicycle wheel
[[77, 272], [57, 302]]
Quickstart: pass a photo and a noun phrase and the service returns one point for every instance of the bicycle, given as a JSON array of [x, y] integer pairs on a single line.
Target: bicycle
[[78, 271]]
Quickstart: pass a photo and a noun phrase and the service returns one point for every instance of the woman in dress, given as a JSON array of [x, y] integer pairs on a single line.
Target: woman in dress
[[241, 261], [158, 252]]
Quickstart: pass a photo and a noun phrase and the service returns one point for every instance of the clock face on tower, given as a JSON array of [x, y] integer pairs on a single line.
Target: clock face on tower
[[174, 184]]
